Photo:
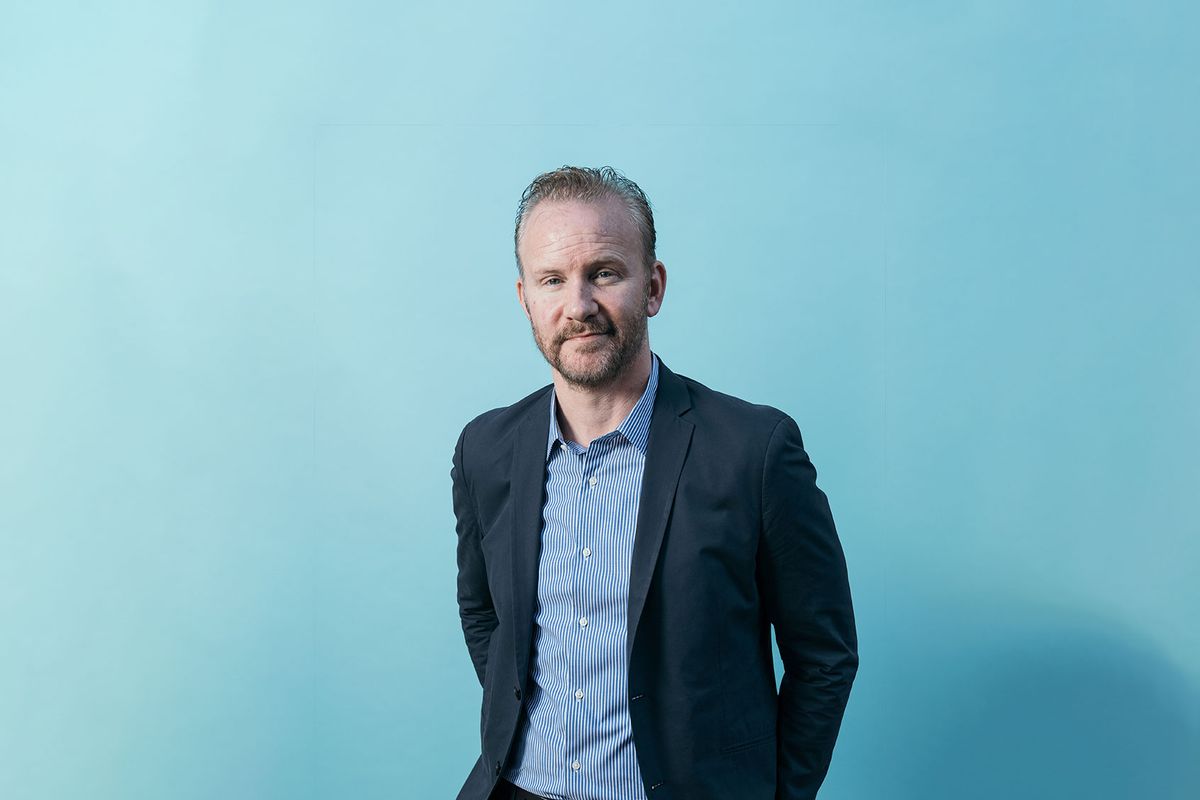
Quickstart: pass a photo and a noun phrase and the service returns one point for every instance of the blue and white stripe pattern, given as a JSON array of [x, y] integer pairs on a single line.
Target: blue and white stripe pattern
[[576, 742]]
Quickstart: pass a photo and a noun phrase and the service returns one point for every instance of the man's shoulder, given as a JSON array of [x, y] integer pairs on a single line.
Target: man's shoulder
[[498, 423], [710, 405]]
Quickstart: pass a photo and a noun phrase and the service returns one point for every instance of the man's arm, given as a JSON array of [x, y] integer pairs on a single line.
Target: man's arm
[[475, 607], [803, 578]]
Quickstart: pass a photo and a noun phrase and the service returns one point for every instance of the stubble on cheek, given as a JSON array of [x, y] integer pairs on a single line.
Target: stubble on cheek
[[596, 361]]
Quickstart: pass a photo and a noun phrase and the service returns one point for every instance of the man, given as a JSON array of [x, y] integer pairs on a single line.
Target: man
[[626, 539]]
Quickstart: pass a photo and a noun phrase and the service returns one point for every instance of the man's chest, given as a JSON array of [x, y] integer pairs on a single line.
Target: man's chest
[[588, 526]]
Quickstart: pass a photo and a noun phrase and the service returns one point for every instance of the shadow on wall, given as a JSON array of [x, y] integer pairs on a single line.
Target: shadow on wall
[[1028, 703]]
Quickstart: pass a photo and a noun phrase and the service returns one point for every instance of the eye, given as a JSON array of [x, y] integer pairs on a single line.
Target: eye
[[604, 272], [549, 280]]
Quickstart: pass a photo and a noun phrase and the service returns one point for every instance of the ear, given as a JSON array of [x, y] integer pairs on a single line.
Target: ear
[[521, 300], [658, 288]]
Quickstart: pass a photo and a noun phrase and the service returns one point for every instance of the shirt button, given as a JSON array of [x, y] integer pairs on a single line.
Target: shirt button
[[579, 694], [587, 552], [563, 447], [583, 622], [592, 481], [575, 766]]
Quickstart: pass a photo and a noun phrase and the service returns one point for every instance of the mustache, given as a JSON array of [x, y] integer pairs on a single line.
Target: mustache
[[582, 331]]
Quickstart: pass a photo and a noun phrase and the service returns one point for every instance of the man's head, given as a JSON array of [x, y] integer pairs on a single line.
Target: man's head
[[588, 276], [587, 185]]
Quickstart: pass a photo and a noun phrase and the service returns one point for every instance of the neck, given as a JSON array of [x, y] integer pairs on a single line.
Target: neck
[[587, 413]]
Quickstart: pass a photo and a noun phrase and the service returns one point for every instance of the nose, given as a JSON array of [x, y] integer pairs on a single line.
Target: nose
[[580, 303]]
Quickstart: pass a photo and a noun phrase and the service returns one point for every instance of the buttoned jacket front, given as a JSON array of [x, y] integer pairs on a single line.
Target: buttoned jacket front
[[733, 536]]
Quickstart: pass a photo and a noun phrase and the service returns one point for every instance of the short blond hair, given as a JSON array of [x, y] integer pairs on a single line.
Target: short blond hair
[[587, 184]]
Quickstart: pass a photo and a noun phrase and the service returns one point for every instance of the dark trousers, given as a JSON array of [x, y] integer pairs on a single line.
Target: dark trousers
[[507, 791]]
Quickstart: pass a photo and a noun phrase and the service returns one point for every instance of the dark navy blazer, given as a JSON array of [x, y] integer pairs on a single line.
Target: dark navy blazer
[[733, 536]]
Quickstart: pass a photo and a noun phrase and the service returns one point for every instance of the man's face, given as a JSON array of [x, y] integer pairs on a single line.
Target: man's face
[[585, 288]]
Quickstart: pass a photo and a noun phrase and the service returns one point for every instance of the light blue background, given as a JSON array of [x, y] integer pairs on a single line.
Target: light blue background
[[256, 273]]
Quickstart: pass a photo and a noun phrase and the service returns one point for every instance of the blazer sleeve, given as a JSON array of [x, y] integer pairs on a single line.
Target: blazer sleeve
[[475, 608], [803, 580]]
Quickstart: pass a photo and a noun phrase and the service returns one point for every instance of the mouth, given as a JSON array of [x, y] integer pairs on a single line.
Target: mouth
[[587, 336]]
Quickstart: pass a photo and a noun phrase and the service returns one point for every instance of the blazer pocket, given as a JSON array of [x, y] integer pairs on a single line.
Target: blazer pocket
[[746, 745]]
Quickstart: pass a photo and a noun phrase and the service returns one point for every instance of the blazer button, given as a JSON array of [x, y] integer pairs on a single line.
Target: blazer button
[[497, 767], [517, 692]]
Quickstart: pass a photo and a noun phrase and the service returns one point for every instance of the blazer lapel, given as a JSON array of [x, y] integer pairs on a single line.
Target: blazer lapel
[[666, 450], [670, 435], [528, 477]]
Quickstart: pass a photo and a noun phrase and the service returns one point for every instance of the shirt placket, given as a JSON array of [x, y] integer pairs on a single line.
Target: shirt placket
[[587, 510]]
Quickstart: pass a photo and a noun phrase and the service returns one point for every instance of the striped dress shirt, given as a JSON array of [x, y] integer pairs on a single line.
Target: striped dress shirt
[[575, 740]]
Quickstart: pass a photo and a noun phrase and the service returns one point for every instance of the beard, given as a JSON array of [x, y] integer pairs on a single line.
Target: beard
[[598, 361]]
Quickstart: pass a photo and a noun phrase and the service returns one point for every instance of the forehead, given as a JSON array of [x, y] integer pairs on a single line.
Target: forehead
[[559, 231]]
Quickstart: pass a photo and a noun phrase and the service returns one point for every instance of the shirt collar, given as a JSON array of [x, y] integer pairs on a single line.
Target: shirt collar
[[636, 426]]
